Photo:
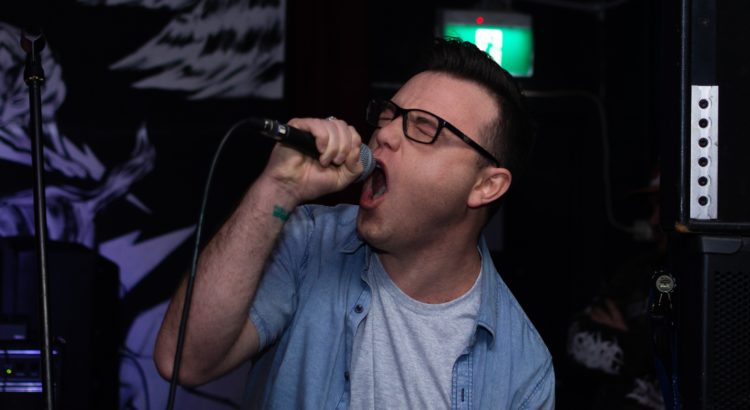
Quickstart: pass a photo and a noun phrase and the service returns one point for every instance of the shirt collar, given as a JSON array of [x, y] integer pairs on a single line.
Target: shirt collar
[[351, 243], [489, 303]]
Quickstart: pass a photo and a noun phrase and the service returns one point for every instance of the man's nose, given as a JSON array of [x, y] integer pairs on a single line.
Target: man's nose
[[391, 135]]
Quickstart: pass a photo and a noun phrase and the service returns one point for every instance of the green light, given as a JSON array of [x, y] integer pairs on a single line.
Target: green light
[[512, 47], [8, 371]]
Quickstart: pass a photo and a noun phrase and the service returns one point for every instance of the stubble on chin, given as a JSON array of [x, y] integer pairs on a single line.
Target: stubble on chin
[[368, 228]]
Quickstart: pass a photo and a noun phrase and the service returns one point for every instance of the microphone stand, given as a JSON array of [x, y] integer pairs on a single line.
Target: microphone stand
[[32, 44]]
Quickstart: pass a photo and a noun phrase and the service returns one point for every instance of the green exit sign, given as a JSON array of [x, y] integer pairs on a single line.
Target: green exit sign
[[506, 37]]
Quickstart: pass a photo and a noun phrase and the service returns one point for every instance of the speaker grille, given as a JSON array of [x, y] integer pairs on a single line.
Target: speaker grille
[[730, 356]]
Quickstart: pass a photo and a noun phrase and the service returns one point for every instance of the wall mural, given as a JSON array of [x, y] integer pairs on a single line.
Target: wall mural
[[212, 48], [71, 208], [225, 51]]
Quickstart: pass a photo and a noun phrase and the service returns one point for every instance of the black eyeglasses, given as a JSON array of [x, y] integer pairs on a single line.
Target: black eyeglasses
[[419, 125]]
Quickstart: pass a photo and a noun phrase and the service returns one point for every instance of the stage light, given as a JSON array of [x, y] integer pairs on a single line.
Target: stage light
[[506, 37]]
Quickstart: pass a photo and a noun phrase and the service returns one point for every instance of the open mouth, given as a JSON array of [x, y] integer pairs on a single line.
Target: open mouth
[[379, 182], [375, 188]]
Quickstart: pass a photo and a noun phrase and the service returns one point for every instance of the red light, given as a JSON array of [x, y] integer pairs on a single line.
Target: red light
[[480, 20]]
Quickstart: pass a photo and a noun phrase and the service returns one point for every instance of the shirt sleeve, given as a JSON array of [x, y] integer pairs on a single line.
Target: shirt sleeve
[[276, 298], [543, 394]]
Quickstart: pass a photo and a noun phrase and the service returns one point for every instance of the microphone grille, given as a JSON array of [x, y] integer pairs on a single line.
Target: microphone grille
[[367, 161]]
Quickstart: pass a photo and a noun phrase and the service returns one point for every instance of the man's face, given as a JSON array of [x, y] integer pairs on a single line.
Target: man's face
[[421, 194]]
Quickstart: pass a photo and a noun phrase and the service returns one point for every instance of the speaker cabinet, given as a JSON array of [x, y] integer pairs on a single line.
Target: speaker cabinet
[[84, 317], [705, 138], [705, 190], [713, 320]]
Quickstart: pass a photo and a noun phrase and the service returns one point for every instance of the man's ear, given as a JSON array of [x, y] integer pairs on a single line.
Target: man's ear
[[491, 184]]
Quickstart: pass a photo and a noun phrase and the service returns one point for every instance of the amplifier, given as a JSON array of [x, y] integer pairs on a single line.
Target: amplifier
[[21, 378]]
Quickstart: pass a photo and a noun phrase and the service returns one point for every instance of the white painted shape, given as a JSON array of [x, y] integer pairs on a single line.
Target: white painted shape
[[136, 259]]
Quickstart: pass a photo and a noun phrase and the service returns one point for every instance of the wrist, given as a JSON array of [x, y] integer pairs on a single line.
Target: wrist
[[277, 194]]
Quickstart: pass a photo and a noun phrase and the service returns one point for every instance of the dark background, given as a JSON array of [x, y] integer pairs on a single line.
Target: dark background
[[599, 75]]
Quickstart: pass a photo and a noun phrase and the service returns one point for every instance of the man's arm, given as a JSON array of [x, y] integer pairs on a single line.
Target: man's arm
[[219, 334]]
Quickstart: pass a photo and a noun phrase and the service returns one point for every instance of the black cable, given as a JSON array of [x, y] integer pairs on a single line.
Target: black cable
[[194, 265], [128, 354], [213, 397]]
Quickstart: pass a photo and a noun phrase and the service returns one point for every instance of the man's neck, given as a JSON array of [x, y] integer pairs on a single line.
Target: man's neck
[[434, 274]]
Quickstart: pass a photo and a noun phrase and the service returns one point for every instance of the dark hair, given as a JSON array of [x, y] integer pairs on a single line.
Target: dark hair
[[510, 137]]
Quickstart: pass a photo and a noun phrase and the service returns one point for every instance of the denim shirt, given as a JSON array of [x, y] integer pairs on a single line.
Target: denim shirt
[[313, 297]]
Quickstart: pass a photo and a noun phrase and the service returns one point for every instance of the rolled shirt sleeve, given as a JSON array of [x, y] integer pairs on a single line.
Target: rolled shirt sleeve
[[276, 299]]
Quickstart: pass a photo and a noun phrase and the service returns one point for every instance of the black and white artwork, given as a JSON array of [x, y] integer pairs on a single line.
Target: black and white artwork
[[125, 152]]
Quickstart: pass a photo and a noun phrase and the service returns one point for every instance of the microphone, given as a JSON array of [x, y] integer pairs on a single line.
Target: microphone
[[304, 142]]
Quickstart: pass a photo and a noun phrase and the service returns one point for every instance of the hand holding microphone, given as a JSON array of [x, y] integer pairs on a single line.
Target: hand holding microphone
[[334, 155]]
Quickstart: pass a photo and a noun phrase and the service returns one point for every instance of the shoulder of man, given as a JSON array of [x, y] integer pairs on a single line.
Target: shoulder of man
[[341, 214], [522, 351], [335, 225]]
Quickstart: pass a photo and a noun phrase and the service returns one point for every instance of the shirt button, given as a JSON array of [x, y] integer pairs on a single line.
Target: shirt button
[[358, 309]]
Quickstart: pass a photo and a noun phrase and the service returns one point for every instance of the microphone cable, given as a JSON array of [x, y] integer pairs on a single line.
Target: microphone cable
[[194, 265]]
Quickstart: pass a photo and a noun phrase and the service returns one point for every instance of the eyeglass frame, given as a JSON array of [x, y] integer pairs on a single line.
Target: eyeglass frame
[[403, 113]]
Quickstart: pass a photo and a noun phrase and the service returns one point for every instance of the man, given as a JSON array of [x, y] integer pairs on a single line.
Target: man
[[392, 304]]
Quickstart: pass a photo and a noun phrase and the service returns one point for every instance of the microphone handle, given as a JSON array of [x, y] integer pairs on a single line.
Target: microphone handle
[[304, 142], [291, 137]]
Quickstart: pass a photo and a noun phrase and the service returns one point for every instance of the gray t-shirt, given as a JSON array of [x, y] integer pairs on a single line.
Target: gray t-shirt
[[404, 350]]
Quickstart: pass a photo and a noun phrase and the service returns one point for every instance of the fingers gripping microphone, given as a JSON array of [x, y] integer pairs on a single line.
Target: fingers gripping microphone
[[304, 142]]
